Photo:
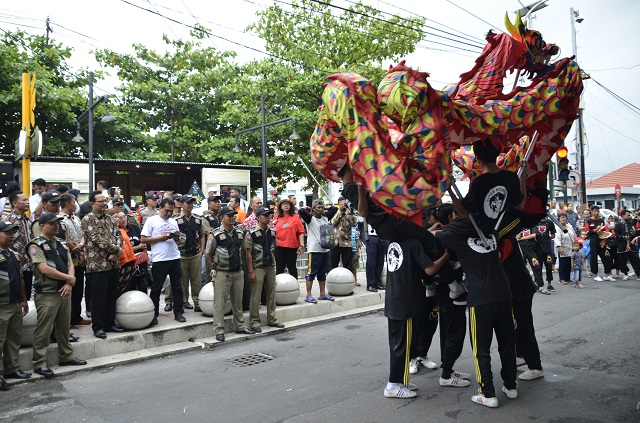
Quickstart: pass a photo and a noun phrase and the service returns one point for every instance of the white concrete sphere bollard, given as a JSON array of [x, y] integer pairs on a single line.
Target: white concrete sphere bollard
[[134, 310], [287, 289], [205, 300], [340, 281], [29, 325]]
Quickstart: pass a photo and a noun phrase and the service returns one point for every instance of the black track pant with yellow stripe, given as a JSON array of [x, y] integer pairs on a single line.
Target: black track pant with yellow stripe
[[402, 346], [483, 321]]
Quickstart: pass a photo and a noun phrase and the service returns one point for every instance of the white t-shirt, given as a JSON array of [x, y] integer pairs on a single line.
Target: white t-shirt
[[165, 250], [34, 201], [313, 234]]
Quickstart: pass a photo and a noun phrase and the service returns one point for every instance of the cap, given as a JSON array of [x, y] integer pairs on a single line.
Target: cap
[[50, 196], [226, 210], [214, 198], [48, 217], [151, 197], [75, 192], [274, 192], [263, 211], [316, 202], [186, 199], [6, 226], [178, 197], [118, 200]]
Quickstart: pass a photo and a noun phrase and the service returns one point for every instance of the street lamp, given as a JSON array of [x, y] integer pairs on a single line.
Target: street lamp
[[88, 114], [263, 140]]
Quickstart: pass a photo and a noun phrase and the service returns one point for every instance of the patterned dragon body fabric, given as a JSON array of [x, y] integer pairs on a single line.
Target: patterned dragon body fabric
[[402, 139]]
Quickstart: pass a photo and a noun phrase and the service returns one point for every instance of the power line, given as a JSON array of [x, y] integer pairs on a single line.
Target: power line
[[477, 17], [167, 23], [399, 25], [620, 67], [612, 129], [617, 97]]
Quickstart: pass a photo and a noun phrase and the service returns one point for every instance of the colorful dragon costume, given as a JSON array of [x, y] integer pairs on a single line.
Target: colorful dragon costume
[[401, 138]]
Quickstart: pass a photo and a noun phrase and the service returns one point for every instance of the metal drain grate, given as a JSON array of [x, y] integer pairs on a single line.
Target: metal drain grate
[[250, 360]]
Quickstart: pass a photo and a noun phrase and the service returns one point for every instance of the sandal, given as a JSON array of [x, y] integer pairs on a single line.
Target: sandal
[[311, 300], [579, 286], [563, 282], [327, 297]]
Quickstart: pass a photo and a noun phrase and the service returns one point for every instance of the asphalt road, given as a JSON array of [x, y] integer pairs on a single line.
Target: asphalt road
[[336, 372]]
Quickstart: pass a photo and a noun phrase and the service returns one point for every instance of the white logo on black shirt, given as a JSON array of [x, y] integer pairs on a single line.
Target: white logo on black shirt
[[494, 201], [394, 257], [477, 246]]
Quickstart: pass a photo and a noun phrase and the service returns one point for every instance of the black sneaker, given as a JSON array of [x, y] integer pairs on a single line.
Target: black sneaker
[[371, 289], [550, 288]]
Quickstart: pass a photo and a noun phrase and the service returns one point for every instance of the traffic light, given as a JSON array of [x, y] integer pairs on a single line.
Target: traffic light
[[562, 161]]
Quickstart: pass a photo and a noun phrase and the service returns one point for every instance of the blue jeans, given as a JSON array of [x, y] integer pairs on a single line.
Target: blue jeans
[[576, 275]]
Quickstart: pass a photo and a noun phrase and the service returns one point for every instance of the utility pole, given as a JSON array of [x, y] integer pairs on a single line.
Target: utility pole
[[583, 186], [48, 28]]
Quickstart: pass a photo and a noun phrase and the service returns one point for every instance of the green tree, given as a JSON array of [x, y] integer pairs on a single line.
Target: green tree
[[174, 97], [306, 43]]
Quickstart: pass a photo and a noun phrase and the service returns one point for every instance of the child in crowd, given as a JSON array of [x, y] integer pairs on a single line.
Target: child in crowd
[[577, 264]]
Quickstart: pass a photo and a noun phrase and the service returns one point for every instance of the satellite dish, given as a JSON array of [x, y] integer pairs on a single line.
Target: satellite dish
[[22, 142], [36, 142]]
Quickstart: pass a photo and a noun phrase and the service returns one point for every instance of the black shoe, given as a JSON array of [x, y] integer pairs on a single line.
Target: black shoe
[[276, 325], [256, 329], [154, 322], [551, 288], [73, 338], [380, 288], [74, 327], [100, 334], [114, 328], [4, 386], [168, 307], [220, 338], [188, 306], [180, 318], [245, 332], [18, 374], [371, 289], [44, 371], [197, 309], [73, 362]]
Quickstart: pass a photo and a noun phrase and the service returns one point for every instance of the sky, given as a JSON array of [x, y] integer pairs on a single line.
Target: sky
[[606, 47]]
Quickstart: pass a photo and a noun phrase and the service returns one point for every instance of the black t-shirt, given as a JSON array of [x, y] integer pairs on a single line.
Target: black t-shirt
[[544, 230], [489, 194], [405, 293], [487, 280], [528, 242], [134, 232], [591, 225]]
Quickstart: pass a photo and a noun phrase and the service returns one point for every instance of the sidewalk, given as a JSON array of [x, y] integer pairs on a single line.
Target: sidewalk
[[171, 337]]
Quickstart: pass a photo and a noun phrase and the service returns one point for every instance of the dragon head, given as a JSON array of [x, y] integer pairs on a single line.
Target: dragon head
[[537, 52]]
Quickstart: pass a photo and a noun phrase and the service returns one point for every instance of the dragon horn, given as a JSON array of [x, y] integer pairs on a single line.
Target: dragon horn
[[513, 30]]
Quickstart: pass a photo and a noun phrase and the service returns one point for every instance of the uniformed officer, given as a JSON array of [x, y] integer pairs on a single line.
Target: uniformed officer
[[223, 251], [194, 229], [261, 262], [54, 280], [51, 204], [213, 220], [150, 209], [13, 304]]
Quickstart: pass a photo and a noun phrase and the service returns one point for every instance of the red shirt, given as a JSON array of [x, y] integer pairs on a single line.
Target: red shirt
[[288, 231]]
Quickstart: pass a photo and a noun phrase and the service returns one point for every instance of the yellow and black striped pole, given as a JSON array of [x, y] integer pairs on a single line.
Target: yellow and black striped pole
[[28, 120]]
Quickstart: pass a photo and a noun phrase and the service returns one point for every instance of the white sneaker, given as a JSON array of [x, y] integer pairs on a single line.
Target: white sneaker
[[482, 400], [531, 374], [427, 363], [625, 278], [401, 391], [520, 361], [413, 366], [608, 278], [461, 375], [511, 393], [454, 382], [598, 279]]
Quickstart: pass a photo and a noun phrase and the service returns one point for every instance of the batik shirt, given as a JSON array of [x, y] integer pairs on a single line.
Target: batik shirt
[[102, 238], [23, 237]]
